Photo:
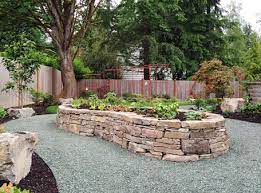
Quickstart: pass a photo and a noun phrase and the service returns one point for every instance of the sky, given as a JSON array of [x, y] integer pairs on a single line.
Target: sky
[[251, 11]]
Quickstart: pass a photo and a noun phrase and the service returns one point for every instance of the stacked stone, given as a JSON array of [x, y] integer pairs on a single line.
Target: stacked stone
[[172, 140], [254, 89]]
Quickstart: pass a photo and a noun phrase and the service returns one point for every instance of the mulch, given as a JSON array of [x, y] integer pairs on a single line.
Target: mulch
[[250, 117], [40, 178], [254, 118]]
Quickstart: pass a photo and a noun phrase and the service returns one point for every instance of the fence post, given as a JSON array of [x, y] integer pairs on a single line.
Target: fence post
[[175, 89], [142, 87], [53, 81], [37, 80]]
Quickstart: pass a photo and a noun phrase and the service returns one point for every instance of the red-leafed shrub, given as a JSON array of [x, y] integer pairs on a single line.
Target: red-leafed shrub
[[216, 76]]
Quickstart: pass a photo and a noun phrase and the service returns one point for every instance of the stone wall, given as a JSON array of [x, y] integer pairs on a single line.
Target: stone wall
[[254, 89], [172, 140]]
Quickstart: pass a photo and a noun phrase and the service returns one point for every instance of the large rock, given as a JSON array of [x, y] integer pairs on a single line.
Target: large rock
[[16, 155], [232, 104], [20, 112]]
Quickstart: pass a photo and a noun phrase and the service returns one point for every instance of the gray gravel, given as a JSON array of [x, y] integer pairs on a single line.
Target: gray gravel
[[90, 165]]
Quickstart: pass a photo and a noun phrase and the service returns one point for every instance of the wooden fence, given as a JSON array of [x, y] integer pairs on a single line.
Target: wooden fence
[[179, 89], [46, 79]]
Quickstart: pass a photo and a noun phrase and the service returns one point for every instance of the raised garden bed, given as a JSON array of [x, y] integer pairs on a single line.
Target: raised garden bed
[[172, 140]]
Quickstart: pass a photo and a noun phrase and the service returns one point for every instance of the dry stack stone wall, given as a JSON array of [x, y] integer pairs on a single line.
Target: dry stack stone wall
[[254, 89], [172, 140]]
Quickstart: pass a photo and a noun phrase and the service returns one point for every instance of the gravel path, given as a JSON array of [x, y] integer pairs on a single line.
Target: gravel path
[[91, 165]]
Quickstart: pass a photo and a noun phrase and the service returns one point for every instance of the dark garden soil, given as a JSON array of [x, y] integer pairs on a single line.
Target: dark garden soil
[[40, 178], [244, 117], [5, 119], [39, 109], [255, 118]]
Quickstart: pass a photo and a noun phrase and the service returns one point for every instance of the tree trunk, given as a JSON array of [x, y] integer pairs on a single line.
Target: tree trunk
[[68, 76]]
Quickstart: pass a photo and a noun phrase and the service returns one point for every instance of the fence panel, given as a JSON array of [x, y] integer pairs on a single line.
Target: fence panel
[[47, 80], [181, 89]]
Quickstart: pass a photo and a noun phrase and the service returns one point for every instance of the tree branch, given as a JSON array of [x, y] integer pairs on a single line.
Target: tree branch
[[87, 20]]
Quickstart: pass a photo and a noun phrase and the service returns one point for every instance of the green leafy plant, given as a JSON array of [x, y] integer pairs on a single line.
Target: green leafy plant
[[52, 109], [194, 115], [111, 97], [86, 94], [80, 69], [208, 105], [11, 189], [227, 112], [2, 112], [20, 65], [77, 103], [41, 97], [166, 111], [251, 108]]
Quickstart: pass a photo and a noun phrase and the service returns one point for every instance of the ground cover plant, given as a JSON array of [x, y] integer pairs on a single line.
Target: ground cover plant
[[162, 108], [2, 112], [11, 189], [208, 105]]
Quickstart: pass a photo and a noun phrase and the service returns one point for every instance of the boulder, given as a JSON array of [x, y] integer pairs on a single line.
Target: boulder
[[16, 155], [20, 112], [65, 102], [232, 104]]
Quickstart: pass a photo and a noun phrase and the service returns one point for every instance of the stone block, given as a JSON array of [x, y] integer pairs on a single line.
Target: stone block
[[168, 150], [176, 135], [177, 158], [16, 155], [125, 143], [151, 133], [195, 146], [175, 124], [232, 104], [117, 140], [20, 112], [169, 141], [173, 146], [152, 155], [134, 147], [134, 139], [134, 131]]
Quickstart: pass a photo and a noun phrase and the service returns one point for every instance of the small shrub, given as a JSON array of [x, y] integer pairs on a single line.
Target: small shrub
[[80, 69], [41, 97], [76, 103], [208, 105], [2, 112], [132, 97], [111, 97], [200, 103], [52, 109], [216, 76], [11, 189], [194, 115], [87, 94], [166, 111], [227, 112], [251, 108]]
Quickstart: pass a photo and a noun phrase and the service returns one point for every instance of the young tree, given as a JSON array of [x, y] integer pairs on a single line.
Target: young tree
[[20, 66], [65, 22], [216, 76]]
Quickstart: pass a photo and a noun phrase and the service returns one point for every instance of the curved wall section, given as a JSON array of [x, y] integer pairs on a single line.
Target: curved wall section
[[172, 140]]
